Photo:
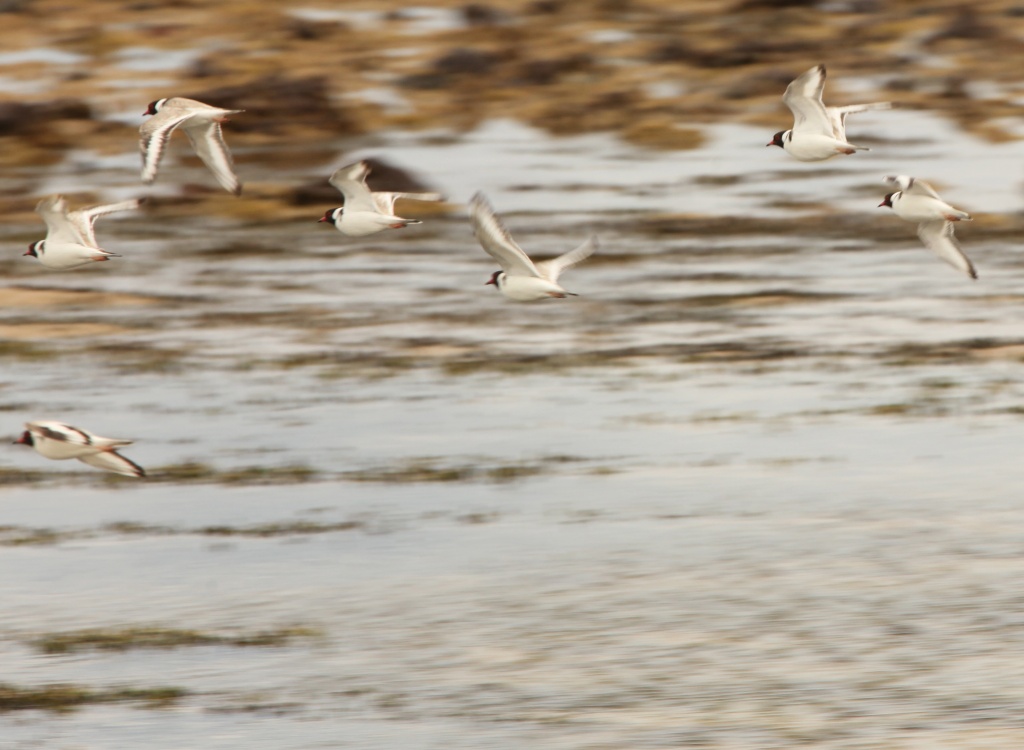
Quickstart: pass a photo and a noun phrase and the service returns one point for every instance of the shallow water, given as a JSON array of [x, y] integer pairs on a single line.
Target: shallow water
[[745, 491]]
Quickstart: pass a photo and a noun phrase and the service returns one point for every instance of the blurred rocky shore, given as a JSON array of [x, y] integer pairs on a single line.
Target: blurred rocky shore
[[78, 75]]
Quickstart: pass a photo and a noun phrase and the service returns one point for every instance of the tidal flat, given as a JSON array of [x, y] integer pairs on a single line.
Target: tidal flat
[[758, 486]]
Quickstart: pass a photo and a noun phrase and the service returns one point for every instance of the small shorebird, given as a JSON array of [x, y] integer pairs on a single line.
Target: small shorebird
[[60, 441], [917, 202], [201, 124], [365, 212], [70, 235], [818, 132], [521, 279]]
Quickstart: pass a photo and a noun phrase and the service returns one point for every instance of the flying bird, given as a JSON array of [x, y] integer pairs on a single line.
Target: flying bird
[[365, 212], [201, 124], [818, 132], [521, 279], [70, 235], [917, 202], [59, 441]]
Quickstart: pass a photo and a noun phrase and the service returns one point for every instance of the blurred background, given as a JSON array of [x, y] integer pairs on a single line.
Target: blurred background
[[758, 486]]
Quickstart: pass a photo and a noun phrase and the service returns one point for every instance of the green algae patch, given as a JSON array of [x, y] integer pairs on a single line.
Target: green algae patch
[[9, 476], [287, 528], [415, 471], [134, 358], [18, 536], [125, 639], [431, 470], [64, 697], [291, 474], [26, 350], [194, 471]]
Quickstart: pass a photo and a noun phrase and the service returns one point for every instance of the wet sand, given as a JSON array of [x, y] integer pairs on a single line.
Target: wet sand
[[757, 486], [751, 488]]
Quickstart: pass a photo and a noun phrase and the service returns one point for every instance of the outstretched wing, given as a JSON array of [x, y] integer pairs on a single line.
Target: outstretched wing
[[551, 269], [938, 237], [837, 115], [59, 431], [385, 202], [208, 142], [496, 240], [803, 97], [113, 461], [912, 185], [153, 137], [59, 226], [350, 181], [85, 219]]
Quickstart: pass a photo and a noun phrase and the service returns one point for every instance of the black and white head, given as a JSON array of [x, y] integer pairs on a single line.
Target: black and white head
[[780, 138], [154, 107], [332, 215], [25, 439], [36, 249], [887, 201], [497, 278]]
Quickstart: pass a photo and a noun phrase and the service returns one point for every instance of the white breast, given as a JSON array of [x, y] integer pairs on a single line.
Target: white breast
[[529, 288], [812, 147], [361, 223], [919, 208]]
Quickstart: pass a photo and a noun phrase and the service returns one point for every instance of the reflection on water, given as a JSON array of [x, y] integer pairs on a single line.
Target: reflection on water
[[732, 174], [745, 491]]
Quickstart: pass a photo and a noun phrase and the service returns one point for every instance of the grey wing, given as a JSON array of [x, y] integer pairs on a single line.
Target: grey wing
[[385, 202], [59, 431], [496, 240], [552, 269], [153, 137], [191, 106], [803, 97], [85, 219], [938, 237], [113, 461], [350, 181], [208, 142], [912, 185], [837, 115], [920, 187], [59, 226]]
